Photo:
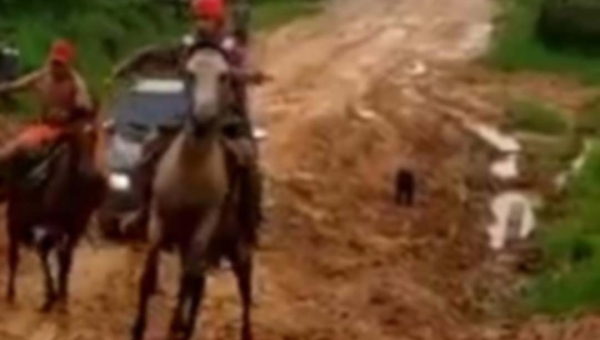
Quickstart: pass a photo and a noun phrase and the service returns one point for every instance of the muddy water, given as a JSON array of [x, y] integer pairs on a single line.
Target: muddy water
[[514, 218], [512, 210]]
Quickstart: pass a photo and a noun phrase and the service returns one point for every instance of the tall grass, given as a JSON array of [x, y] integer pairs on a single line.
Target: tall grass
[[516, 45]]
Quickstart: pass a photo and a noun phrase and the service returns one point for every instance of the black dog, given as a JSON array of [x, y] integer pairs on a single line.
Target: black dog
[[405, 187]]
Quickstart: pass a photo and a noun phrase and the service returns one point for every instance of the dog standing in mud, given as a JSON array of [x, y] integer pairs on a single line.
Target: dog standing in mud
[[405, 187]]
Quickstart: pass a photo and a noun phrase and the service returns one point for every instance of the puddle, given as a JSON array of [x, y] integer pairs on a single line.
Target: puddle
[[513, 211], [514, 218]]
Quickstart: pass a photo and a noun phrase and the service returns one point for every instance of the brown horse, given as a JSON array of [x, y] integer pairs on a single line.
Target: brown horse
[[50, 208], [196, 207]]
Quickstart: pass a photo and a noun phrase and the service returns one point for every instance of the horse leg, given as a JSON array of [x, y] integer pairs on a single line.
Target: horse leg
[[147, 288], [195, 286], [191, 292], [48, 282], [194, 278], [242, 267], [177, 321], [65, 259], [13, 264]]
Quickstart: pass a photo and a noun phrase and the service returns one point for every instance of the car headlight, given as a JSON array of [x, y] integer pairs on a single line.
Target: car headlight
[[120, 182]]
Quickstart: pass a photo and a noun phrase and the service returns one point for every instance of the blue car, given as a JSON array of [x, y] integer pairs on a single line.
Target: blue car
[[136, 112]]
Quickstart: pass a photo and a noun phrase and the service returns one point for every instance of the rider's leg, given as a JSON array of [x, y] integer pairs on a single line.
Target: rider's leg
[[251, 181], [8, 153], [144, 176]]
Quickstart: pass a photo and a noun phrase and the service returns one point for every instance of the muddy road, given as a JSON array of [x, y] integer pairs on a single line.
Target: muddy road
[[359, 90]]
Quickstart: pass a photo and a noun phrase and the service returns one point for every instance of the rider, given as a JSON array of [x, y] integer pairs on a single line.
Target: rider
[[209, 31], [63, 96]]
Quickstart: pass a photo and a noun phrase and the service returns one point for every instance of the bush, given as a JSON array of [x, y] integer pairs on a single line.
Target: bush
[[570, 23], [517, 45]]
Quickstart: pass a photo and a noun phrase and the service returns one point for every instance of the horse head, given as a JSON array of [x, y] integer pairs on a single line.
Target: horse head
[[209, 87]]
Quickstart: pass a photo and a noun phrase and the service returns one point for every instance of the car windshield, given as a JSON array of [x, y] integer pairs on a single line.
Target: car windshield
[[148, 105]]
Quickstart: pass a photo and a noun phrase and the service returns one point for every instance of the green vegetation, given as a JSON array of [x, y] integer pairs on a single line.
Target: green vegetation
[[517, 45], [103, 30], [570, 281], [272, 13], [106, 31], [533, 116], [555, 36], [589, 118]]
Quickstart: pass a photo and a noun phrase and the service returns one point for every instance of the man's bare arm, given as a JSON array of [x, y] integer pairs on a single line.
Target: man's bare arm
[[23, 83]]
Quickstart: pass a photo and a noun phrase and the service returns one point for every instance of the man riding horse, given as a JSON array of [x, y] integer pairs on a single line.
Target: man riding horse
[[209, 32], [50, 182], [64, 100]]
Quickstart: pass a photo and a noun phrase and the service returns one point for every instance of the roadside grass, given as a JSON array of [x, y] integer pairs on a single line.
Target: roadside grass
[[516, 46], [569, 235], [536, 117], [570, 281]]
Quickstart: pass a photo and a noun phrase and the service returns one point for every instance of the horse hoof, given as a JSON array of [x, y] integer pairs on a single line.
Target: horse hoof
[[137, 333], [62, 307], [47, 306]]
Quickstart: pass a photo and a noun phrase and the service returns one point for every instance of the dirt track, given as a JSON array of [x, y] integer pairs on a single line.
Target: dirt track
[[360, 89]]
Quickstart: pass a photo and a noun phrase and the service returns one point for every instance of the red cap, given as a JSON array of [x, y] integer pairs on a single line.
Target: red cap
[[211, 9], [62, 51]]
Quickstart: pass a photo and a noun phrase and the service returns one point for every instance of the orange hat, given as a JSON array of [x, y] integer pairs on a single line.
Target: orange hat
[[62, 51], [211, 9]]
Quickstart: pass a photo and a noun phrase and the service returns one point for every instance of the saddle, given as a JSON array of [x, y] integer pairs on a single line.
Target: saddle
[[43, 143]]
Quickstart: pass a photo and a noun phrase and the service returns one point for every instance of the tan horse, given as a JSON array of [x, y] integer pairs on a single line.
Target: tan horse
[[195, 205]]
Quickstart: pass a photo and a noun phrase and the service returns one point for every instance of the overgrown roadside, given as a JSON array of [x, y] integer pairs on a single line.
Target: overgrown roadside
[[561, 148]]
